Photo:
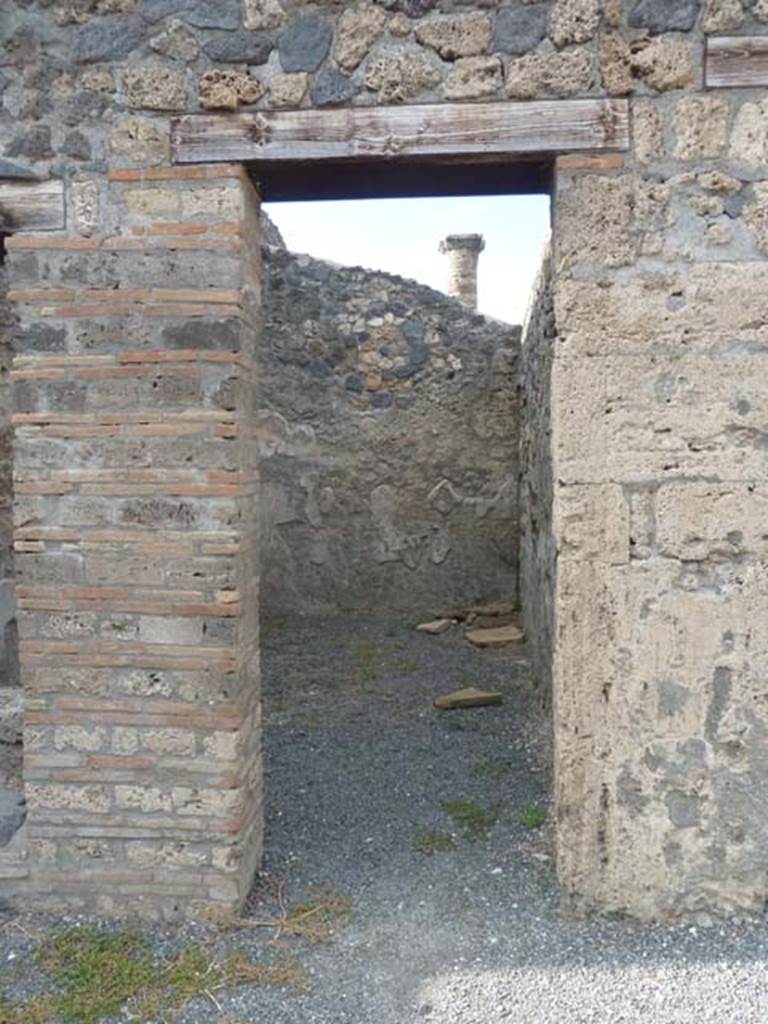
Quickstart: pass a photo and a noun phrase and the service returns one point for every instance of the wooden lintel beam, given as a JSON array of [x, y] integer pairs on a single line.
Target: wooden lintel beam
[[737, 61], [439, 131], [31, 206]]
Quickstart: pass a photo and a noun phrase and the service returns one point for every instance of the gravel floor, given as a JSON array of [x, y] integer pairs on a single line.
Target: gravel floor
[[359, 765]]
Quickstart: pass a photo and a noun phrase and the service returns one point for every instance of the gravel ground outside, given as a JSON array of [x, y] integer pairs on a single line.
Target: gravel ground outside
[[359, 766]]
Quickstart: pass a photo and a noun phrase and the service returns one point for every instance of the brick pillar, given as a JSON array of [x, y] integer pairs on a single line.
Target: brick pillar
[[136, 543]]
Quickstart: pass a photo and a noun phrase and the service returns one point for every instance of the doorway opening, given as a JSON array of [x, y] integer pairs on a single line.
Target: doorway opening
[[391, 432]]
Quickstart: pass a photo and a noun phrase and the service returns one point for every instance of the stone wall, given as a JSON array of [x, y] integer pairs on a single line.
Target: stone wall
[[390, 433], [538, 546], [657, 400]]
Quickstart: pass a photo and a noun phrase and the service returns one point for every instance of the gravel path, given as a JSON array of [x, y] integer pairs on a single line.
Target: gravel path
[[359, 765]]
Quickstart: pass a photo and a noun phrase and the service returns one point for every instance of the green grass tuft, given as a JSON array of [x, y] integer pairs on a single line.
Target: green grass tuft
[[430, 841], [474, 820], [532, 816]]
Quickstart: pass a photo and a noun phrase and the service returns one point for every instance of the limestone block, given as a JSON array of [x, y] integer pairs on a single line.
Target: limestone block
[[573, 21], [397, 75], [701, 127], [624, 419], [84, 195], [756, 215], [263, 14], [663, 64], [170, 629], [592, 523], [143, 798], [140, 140], [11, 714], [473, 77], [125, 740], [615, 64], [180, 742], [569, 73], [166, 854], [79, 737], [722, 15], [712, 307], [749, 136], [399, 25], [226, 90], [288, 90], [357, 30], [709, 522], [648, 131], [459, 35], [595, 220], [90, 799], [154, 87]]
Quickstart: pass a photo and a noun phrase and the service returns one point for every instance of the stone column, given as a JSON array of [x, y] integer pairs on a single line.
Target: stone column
[[135, 509], [463, 252]]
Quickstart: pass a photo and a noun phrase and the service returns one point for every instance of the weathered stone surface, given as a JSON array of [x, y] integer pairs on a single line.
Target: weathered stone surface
[[569, 73], [264, 14], [141, 140], [648, 131], [519, 29], [12, 814], [756, 215], [85, 205], [9, 169], [469, 697], [288, 90], [749, 137], [573, 21], [200, 13], [473, 78], [760, 10], [701, 127], [663, 64], [331, 88], [459, 35], [722, 15], [154, 87], [304, 44], [111, 38], [357, 30], [396, 76], [176, 41], [657, 16], [226, 90], [239, 47], [495, 636], [616, 64]]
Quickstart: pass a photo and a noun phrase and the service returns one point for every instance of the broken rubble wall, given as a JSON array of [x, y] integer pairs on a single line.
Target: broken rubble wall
[[538, 548], [389, 433]]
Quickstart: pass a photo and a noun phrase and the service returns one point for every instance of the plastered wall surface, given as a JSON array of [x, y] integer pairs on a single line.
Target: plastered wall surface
[[657, 433]]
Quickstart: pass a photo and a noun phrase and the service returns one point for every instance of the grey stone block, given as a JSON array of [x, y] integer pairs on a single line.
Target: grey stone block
[[10, 169], [240, 47], [200, 13], [519, 29], [12, 814], [304, 45], [331, 87], [664, 15], [109, 38]]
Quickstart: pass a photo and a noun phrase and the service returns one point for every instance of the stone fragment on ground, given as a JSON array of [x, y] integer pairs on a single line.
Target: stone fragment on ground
[[495, 636], [469, 697], [434, 627], [493, 610]]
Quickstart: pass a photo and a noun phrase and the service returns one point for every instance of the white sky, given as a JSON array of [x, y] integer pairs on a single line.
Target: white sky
[[401, 236]]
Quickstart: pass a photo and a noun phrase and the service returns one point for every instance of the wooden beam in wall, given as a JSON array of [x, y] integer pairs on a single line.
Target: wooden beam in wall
[[737, 61], [497, 131], [31, 206]]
